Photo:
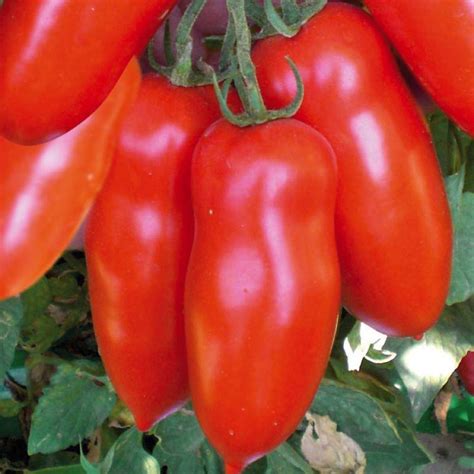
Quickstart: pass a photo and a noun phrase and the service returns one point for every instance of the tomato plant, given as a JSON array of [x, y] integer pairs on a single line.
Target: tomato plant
[[60, 59], [436, 39], [47, 189], [262, 292], [393, 225], [230, 294], [137, 281]]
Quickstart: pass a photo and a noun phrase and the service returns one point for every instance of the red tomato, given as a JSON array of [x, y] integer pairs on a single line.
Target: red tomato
[[46, 190], [466, 372], [393, 224], [263, 285], [61, 58], [436, 39], [138, 241]]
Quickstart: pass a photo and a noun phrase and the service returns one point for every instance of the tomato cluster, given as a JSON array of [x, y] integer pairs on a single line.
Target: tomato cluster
[[219, 256]]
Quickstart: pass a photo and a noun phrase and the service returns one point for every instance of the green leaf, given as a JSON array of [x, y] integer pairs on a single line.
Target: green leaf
[[36, 300], [72, 406], [71, 469], [364, 419], [88, 467], [286, 460], [74, 263], [404, 457], [385, 394], [11, 313], [439, 126], [61, 458], [183, 448], [462, 211], [9, 408], [10, 428], [451, 143], [127, 455], [466, 462], [65, 286], [53, 306], [38, 329], [469, 180], [425, 366]]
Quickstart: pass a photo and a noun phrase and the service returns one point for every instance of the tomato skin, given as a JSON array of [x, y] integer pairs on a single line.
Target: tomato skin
[[466, 372], [393, 226], [263, 284], [61, 58], [47, 189], [138, 240], [436, 39]]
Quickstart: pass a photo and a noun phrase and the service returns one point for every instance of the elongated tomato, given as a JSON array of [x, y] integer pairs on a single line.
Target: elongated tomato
[[138, 240], [436, 39], [59, 59], [263, 287], [393, 226], [46, 190]]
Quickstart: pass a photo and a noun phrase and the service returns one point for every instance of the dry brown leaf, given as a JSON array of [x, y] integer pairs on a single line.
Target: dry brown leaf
[[332, 452]]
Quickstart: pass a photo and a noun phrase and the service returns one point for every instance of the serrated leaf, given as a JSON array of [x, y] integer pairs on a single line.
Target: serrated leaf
[[362, 416], [364, 420], [11, 313], [127, 455], [426, 365], [462, 212], [38, 330], [182, 446], [71, 407]]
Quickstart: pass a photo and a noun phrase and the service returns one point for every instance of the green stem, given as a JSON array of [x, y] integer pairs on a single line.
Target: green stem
[[256, 105], [291, 12], [184, 44]]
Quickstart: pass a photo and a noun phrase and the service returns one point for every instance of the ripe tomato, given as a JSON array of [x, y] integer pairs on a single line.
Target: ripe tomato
[[393, 224], [263, 285], [138, 241], [61, 58], [46, 190], [436, 39], [466, 372]]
